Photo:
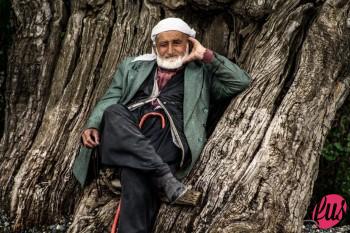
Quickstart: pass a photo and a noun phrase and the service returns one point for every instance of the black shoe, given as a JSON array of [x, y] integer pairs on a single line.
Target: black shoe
[[176, 192]]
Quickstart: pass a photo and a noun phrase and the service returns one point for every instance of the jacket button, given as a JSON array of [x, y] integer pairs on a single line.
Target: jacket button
[[205, 110], [200, 139]]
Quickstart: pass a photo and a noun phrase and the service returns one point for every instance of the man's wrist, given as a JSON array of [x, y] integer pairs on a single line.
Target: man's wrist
[[208, 56]]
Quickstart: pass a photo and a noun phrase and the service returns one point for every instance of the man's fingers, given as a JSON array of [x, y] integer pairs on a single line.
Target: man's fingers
[[85, 142], [196, 44], [193, 40], [96, 136], [197, 52], [88, 141]]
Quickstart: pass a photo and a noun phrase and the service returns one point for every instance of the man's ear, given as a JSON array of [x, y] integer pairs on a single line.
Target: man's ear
[[190, 46]]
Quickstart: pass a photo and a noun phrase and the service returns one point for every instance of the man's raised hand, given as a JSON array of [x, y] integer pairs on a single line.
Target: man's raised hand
[[197, 52], [90, 137]]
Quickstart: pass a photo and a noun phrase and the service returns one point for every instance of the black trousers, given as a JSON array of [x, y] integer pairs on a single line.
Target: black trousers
[[140, 154]]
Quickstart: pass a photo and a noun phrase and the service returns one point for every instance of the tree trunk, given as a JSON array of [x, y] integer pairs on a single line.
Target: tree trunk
[[258, 168]]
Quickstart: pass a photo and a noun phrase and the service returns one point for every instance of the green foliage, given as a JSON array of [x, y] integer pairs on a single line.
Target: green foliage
[[334, 168], [337, 148], [338, 143], [4, 14]]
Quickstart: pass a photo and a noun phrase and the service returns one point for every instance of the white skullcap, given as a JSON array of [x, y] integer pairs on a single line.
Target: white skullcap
[[170, 24]]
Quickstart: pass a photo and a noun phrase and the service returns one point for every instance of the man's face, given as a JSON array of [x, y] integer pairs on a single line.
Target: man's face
[[171, 47], [171, 44]]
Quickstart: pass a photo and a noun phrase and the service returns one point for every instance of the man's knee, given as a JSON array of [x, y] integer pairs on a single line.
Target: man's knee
[[116, 109]]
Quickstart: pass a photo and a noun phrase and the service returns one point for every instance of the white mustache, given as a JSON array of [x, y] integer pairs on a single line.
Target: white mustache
[[171, 62]]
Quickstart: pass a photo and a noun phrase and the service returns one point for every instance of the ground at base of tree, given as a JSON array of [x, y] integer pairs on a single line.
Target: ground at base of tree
[[62, 226], [309, 228]]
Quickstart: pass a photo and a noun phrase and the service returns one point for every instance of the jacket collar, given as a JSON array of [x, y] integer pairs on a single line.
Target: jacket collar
[[192, 85]]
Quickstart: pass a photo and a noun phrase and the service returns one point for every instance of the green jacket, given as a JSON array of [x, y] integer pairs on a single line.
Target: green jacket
[[219, 79]]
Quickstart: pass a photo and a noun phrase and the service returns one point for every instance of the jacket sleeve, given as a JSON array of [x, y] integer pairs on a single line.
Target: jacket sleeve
[[112, 96], [227, 79]]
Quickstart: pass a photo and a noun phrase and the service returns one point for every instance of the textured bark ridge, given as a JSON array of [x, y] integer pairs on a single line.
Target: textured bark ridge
[[258, 168]]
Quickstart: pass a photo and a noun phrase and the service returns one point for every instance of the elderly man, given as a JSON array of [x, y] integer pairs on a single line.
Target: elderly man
[[151, 121]]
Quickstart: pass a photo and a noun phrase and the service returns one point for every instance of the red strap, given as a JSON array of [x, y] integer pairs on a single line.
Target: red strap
[[144, 117], [116, 219]]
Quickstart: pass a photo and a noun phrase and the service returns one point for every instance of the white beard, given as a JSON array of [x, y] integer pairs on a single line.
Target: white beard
[[171, 62]]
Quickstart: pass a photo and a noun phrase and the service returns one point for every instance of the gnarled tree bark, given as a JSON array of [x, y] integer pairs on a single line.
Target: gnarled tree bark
[[260, 163]]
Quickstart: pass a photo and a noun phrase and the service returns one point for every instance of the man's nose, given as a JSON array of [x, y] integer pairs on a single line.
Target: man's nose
[[170, 49]]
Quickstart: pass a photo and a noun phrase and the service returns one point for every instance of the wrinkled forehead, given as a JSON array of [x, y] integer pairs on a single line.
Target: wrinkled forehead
[[171, 36]]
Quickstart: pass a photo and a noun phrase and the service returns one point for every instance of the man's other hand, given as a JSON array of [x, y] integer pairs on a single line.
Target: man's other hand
[[91, 137], [197, 51]]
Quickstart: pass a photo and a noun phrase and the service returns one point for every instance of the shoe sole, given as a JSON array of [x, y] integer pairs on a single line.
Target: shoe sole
[[188, 197]]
